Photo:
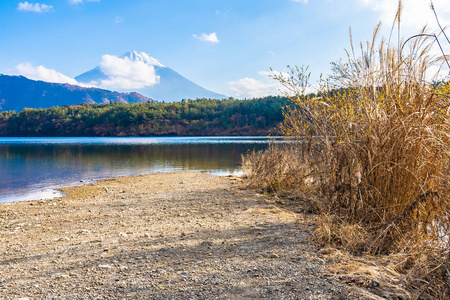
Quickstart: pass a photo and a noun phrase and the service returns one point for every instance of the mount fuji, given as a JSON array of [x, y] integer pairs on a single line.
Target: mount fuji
[[139, 72]]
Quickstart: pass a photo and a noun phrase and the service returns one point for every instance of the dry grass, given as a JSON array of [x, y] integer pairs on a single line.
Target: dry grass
[[375, 145], [379, 274], [278, 168], [330, 230]]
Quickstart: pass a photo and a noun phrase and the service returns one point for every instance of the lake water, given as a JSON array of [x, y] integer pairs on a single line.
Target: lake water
[[32, 168]]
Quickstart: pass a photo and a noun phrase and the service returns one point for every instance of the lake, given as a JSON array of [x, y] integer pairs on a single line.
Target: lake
[[32, 168]]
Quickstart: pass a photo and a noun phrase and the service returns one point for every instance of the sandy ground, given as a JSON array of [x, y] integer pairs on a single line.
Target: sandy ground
[[183, 235]]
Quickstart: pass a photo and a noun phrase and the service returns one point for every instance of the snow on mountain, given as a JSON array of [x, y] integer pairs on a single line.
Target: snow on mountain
[[140, 72], [144, 57]]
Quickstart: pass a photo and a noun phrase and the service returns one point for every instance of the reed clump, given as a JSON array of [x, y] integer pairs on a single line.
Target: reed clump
[[279, 168], [374, 144]]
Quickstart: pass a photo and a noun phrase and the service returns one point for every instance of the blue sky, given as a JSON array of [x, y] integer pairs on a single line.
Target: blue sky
[[227, 46]]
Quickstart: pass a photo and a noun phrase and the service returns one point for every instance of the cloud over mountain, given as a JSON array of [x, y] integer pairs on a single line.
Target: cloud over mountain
[[142, 73], [132, 72], [41, 73], [124, 73]]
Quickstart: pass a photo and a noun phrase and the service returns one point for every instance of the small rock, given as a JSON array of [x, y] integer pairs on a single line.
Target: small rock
[[184, 273], [83, 231], [60, 275], [373, 283], [104, 266], [273, 255], [207, 243]]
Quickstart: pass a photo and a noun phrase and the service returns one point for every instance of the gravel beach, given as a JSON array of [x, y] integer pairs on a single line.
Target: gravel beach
[[181, 235]]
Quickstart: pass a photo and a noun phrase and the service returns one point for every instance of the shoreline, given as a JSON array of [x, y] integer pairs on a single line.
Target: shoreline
[[159, 236], [36, 164], [54, 192]]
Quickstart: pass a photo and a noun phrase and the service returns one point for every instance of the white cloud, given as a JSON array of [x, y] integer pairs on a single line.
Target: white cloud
[[36, 7], [207, 37], [118, 20], [302, 1], [124, 73], [41, 73], [264, 85], [81, 1], [416, 13]]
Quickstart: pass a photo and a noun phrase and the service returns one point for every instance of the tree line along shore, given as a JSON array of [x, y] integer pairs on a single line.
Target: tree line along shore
[[212, 117]]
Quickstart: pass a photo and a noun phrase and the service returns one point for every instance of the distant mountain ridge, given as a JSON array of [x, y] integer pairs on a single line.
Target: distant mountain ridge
[[18, 92], [171, 86]]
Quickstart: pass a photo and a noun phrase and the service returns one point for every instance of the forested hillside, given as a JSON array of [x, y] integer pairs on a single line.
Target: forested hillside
[[18, 92], [186, 118]]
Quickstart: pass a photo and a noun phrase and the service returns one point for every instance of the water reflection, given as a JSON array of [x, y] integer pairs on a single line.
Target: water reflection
[[27, 167]]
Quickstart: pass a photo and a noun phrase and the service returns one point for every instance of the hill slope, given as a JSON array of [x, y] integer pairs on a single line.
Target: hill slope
[[18, 92], [202, 117]]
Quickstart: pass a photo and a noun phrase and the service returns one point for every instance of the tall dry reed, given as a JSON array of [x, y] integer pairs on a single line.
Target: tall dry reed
[[375, 143]]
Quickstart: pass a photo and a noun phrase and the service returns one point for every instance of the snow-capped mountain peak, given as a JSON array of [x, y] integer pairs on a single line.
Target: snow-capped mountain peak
[[153, 80], [144, 57]]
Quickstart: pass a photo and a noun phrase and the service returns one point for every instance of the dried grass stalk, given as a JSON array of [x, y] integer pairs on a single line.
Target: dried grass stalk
[[375, 140]]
